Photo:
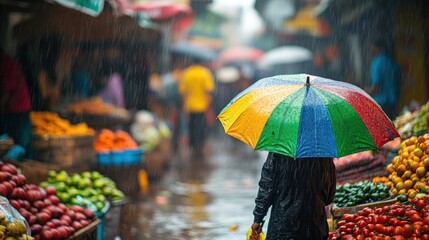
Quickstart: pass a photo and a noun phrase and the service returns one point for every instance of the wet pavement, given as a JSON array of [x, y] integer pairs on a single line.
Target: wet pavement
[[199, 198]]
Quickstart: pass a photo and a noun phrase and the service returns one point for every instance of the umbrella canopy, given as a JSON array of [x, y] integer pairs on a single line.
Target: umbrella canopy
[[191, 50], [234, 54], [228, 74], [307, 116], [285, 55]]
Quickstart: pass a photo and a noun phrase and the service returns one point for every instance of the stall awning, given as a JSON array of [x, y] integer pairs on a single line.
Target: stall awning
[[343, 12], [73, 26], [307, 21], [179, 15]]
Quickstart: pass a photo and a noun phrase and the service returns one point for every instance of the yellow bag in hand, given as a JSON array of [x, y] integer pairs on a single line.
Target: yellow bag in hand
[[260, 236]]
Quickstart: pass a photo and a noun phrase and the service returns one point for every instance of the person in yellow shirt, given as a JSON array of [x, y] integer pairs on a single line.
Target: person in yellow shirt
[[196, 87]]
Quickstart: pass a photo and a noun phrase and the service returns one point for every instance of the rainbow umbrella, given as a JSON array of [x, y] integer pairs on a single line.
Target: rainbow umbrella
[[305, 116]]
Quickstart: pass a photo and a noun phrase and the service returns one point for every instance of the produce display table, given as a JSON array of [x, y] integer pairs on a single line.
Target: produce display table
[[100, 121], [112, 220], [337, 212], [87, 233]]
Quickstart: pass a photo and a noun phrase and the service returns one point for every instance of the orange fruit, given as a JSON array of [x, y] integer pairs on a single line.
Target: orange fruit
[[389, 168], [413, 139], [396, 180], [421, 171], [408, 184], [407, 175], [412, 193], [401, 169], [426, 136], [423, 145], [418, 152], [416, 159], [419, 185], [405, 155], [388, 184], [414, 166], [399, 186], [402, 191], [396, 160], [394, 191], [421, 139]]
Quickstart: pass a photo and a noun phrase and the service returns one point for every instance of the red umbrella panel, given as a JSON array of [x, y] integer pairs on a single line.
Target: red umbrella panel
[[237, 54]]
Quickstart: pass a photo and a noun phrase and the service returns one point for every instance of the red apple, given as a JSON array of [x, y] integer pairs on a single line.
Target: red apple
[[18, 193], [25, 204], [3, 176], [66, 218], [14, 185], [3, 190], [9, 168], [77, 208], [53, 199], [84, 222], [47, 202], [80, 216], [63, 232], [71, 214], [63, 207], [46, 234], [21, 180], [89, 214], [15, 203], [42, 217], [26, 214], [9, 187], [50, 225], [50, 190], [36, 228], [76, 225], [32, 220], [64, 223], [55, 233], [39, 204], [56, 221]]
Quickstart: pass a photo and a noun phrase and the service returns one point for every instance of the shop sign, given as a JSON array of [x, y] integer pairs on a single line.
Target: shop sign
[[91, 7]]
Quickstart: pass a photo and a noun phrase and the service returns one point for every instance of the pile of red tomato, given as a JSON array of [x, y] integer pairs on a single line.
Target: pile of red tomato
[[397, 221]]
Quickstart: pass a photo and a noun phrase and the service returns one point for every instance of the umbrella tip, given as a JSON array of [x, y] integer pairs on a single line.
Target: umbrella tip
[[307, 83]]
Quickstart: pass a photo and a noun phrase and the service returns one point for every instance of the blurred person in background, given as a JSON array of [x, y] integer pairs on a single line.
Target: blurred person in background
[[107, 84], [385, 78], [195, 88], [15, 104], [48, 84]]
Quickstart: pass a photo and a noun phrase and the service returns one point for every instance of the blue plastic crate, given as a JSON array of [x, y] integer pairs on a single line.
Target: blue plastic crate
[[104, 158], [117, 157], [132, 156]]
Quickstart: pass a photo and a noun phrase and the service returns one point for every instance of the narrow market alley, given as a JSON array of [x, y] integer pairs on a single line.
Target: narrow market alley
[[211, 198]]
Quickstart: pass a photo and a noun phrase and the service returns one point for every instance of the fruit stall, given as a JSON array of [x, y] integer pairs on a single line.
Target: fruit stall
[[81, 169], [394, 205]]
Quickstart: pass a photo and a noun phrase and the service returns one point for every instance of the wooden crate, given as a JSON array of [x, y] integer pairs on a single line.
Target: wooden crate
[[65, 151], [87, 233], [339, 212], [156, 159]]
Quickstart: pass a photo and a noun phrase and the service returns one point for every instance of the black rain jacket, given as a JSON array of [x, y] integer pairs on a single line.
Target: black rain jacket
[[297, 190]]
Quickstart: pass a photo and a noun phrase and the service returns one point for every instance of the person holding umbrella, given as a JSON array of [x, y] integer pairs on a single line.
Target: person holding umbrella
[[304, 122], [298, 191]]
